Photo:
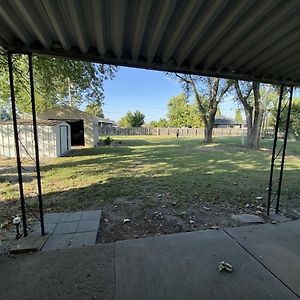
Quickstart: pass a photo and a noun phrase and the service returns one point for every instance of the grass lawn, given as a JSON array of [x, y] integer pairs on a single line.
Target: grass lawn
[[145, 175]]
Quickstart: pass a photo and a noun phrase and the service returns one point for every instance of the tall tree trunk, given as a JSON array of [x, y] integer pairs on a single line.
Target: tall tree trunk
[[254, 114], [254, 135], [209, 125], [208, 134]]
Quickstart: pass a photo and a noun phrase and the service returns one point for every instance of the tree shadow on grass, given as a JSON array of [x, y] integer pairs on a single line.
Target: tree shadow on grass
[[183, 186]]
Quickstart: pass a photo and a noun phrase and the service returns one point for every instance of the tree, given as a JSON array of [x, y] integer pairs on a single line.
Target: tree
[[294, 125], [238, 115], [160, 123], [95, 109], [295, 119], [219, 113], [179, 112], [58, 82], [136, 119], [208, 92], [254, 98]]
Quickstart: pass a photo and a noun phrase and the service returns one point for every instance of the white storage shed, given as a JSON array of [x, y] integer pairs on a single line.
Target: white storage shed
[[84, 127], [54, 138]]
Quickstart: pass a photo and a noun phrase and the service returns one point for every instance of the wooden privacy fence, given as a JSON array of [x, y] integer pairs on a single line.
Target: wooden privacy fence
[[217, 132]]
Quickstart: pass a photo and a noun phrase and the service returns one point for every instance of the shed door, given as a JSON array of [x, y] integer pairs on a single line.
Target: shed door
[[63, 139]]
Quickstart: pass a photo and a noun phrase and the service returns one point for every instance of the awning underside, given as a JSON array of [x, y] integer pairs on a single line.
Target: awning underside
[[244, 39]]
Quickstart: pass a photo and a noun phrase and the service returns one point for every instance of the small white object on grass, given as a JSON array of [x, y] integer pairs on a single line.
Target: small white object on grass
[[126, 221], [16, 220]]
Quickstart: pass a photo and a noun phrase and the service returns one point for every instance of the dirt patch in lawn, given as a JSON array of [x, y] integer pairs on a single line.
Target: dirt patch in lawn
[[130, 218]]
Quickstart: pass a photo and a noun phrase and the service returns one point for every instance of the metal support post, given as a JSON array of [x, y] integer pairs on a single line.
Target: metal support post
[[16, 135], [35, 134]]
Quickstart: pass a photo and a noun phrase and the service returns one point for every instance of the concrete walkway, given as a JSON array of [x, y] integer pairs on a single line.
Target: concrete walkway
[[266, 261]]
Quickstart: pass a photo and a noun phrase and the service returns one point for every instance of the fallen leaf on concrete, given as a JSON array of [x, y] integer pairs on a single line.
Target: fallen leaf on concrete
[[274, 222], [224, 266], [215, 227]]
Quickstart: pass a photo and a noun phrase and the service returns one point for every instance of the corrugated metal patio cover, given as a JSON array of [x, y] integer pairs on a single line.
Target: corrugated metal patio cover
[[243, 39]]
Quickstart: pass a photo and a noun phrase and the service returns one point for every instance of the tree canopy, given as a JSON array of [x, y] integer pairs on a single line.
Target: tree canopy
[[182, 113], [58, 82], [95, 109], [294, 126], [136, 119], [238, 115], [160, 123]]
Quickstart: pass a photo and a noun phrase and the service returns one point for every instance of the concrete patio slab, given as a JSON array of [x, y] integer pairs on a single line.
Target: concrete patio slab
[[277, 246], [265, 259], [247, 218], [185, 266], [82, 273]]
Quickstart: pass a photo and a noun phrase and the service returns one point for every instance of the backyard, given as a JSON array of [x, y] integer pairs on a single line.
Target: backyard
[[160, 184]]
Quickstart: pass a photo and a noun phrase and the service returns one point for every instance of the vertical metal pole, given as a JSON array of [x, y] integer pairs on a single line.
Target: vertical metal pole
[[19, 166], [284, 148], [274, 148], [36, 146]]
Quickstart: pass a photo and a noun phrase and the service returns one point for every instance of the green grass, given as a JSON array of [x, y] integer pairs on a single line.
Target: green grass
[[182, 170]]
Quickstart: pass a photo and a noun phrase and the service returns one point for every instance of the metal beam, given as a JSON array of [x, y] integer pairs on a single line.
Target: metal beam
[[16, 135], [92, 57]]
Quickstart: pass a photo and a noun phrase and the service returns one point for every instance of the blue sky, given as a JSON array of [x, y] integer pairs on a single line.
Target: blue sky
[[148, 91]]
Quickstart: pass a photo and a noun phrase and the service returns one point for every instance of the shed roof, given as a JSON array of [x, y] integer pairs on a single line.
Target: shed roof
[[244, 39], [38, 122]]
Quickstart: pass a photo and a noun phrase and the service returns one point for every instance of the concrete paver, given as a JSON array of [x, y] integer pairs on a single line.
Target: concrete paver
[[58, 241], [70, 230], [83, 239], [85, 226], [52, 217], [91, 215], [247, 218], [71, 217], [28, 244], [66, 227]]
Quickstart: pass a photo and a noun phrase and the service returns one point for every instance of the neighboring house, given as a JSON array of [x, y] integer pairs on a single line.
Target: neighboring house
[[84, 127], [225, 122], [54, 138], [106, 123]]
